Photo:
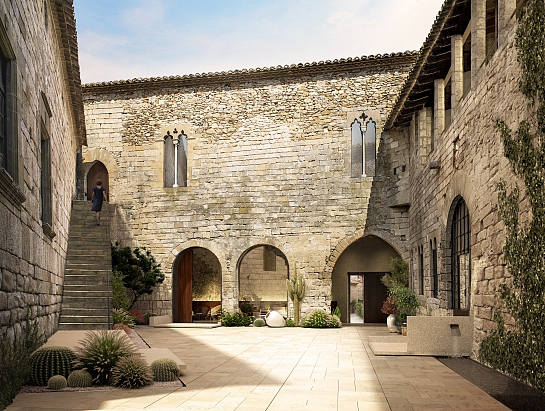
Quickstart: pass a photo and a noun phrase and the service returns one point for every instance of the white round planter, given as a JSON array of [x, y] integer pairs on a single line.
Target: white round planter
[[275, 319], [391, 323]]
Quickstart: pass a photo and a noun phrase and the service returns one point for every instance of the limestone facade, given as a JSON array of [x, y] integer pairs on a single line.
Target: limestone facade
[[458, 159], [44, 126], [268, 164]]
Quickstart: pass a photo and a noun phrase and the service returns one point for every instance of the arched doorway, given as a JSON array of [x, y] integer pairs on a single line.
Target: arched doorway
[[262, 273], [460, 257], [98, 171], [196, 286], [356, 286]]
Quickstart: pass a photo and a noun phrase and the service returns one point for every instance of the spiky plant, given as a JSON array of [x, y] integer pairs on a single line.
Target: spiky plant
[[100, 351], [80, 379], [49, 361], [296, 292], [131, 372], [56, 383], [165, 369]]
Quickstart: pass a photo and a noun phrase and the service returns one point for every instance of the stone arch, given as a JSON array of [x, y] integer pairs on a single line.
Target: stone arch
[[262, 270], [93, 155], [342, 245], [197, 283], [367, 258]]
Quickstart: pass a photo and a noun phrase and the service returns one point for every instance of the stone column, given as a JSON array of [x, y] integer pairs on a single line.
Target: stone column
[[457, 70], [506, 10], [478, 37], [439, 107]]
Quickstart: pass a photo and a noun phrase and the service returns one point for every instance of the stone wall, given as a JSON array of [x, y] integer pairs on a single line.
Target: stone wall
[[472, 162], [32, 256], [268, 164]]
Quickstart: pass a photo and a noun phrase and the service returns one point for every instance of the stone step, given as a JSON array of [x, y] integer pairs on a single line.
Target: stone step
[[81, 326], [84, 319], [82, 293], [91, 280], [76, 315], [86, 269], [70, 302]]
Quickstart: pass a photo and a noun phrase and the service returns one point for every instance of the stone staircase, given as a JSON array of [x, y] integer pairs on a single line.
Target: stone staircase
[[87, 278]]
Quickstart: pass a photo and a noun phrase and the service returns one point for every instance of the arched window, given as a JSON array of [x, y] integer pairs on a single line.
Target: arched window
[[175, 159], [460, 256], [433, 268], [421, 270], [363, 148], [370, 147]]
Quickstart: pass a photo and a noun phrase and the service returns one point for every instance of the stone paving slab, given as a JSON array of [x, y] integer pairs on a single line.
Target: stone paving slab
[[281, 369]]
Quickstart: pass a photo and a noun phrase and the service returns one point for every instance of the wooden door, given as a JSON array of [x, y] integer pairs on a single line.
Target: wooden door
[[374, 294], [97, 172], [185, 288]]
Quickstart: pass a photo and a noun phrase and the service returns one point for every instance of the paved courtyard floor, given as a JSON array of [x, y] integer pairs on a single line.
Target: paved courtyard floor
[[281, 369]]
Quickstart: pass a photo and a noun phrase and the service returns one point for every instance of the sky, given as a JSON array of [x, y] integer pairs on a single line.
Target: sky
[[125, 39]]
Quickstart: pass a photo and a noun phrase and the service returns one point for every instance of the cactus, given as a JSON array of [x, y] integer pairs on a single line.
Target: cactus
[[49, 361], [165, 369], [259, 322], [80, 379], [131, 372], [57, 382], [296, 292]]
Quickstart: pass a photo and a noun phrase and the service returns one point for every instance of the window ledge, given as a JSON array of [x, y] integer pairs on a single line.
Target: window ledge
[[48, 231], [10, 189]]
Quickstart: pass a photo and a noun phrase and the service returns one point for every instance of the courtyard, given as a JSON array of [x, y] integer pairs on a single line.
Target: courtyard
[[279, 369]]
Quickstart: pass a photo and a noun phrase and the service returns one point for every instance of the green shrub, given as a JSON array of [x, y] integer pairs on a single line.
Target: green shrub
[[79, 379], [320, 319], [131, 372], [15, 353], [290, 322], [49, 361], [120, 316], [259, 322], [359, 309], [235, 319], [337, 311], [57, 382], [100, 351], [407, 301], [165, 369], [120, 299], [399, 277]]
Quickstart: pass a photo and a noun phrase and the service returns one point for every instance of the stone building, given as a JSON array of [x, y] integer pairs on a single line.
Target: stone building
[[41, 128], [442, 133], [231, 179]]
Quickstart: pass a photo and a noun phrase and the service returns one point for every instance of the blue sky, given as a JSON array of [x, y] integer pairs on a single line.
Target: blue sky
[[124, 39]]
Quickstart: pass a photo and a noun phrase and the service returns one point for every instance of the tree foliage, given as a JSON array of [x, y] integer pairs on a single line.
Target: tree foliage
[[140, 271], [399, 277], [520, 350]]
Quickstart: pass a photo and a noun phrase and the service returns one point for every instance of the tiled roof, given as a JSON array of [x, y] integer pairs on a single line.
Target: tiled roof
[[406, 57]]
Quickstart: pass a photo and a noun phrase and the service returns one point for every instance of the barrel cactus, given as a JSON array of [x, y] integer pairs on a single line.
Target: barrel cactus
[[259, 322], [131, 372], [57, 382], [49, 361], [165, 369], [80, 379]]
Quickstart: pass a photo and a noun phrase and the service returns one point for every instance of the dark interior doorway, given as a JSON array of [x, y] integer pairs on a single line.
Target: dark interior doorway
[[374, 294], [98, 171]]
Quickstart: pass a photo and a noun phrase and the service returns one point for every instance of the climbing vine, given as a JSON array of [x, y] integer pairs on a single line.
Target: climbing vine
[[520, 350]]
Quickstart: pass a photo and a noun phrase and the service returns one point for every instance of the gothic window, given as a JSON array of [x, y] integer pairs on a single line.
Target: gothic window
[[460, 256], [370, 147], [363, 148], [45, 164], [175, 159], [491, 27], [433, 268], [8, 110], [357, 149]]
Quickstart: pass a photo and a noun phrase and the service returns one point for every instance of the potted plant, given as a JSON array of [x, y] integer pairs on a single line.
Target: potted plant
[[390, 307], [407, 303]]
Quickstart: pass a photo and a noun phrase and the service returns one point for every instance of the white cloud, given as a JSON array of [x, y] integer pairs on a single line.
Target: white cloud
[[159, 40]]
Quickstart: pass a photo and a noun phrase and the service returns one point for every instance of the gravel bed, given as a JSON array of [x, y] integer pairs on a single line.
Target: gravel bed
[[35, 389]]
